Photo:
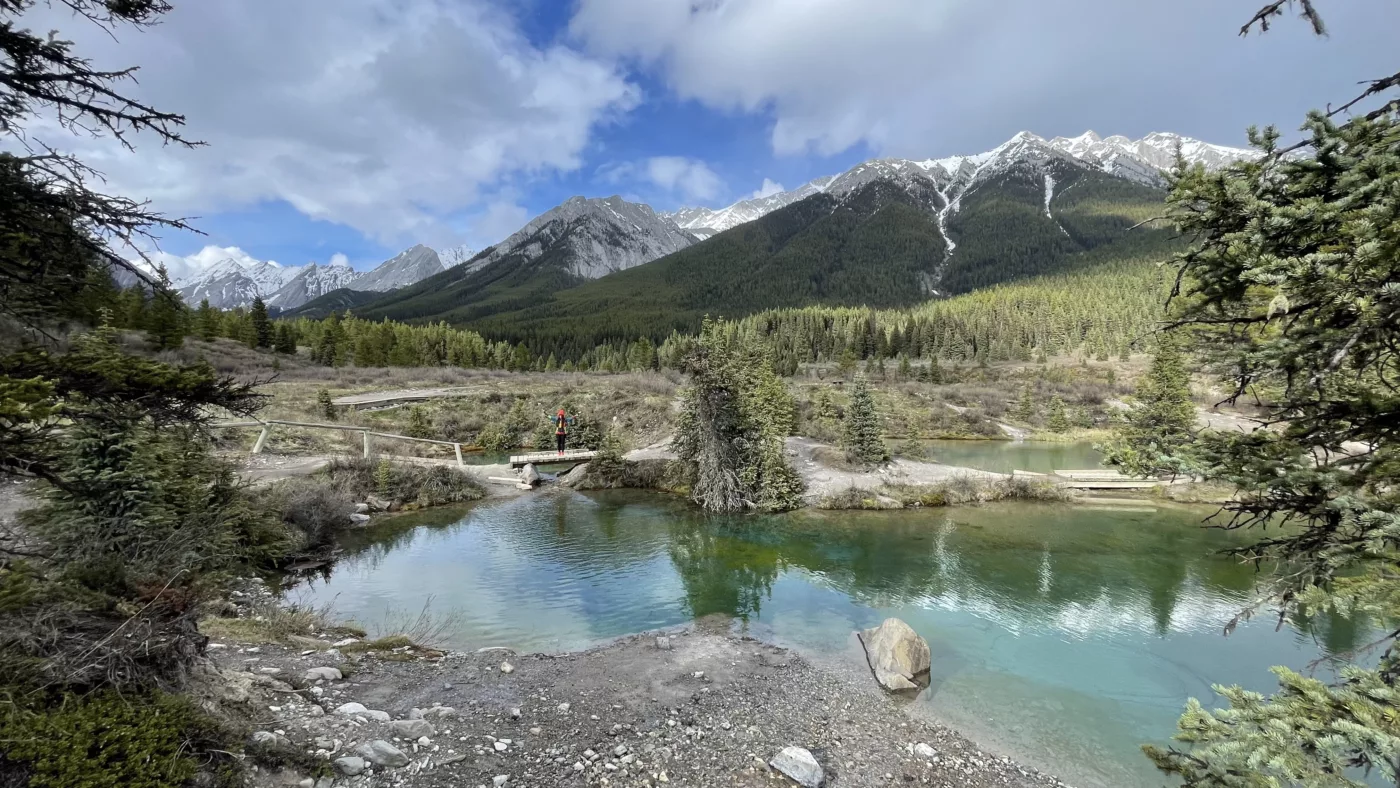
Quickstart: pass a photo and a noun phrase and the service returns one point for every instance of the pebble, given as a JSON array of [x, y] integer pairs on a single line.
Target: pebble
[[563, 708], [924, 751], [663, 643], [507, 668], [799, 764], [500, 779], [350, 709], [500, 746], [382, 753], [350, 765], [323, 674]]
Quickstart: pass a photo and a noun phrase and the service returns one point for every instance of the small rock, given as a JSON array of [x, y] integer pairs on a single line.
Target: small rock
[[500, 779], [563, 708], [578, 766], [515, 714], [377, 504], [382, 753], [350, 709], [924, 751], [350, 765], [800, 765], [500, 746], [896, 653], [323, 674], [269, 738], [345, 642], [359, 519], [361, 508], [412, 729], [306, 783], [663, 643], [620, 750], [270, 671], [506, 667], [414, 714], [377, 716], [536, 731], [315, 711], [440, 712]]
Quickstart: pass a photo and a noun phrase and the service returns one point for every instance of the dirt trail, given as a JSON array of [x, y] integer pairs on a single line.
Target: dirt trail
[[823, 480]]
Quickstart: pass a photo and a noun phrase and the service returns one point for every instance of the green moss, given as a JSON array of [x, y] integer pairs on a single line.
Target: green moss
[[112, 740]]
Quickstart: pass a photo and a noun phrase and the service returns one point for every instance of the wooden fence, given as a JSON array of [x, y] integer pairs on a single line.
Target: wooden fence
[[365, 433]]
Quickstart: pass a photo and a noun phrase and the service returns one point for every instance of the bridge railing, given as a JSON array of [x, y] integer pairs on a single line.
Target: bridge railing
[[366, 434]]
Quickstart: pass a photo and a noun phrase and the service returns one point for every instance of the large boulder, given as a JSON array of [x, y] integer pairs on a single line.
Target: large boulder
[[896, 653], [529, 475], [800, 765]]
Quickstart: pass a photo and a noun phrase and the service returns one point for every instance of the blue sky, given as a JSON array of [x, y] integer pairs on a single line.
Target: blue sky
[[360, 127]]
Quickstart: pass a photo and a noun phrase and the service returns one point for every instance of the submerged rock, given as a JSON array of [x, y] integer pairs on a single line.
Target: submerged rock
[[800, 765], [896, 654]]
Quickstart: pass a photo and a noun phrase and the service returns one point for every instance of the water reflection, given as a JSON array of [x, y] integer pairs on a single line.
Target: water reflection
[[1073, 634]]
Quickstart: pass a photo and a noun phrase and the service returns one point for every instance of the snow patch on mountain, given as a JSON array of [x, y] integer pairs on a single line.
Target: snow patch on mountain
[[313, 281], [409, 267], [956, 176]]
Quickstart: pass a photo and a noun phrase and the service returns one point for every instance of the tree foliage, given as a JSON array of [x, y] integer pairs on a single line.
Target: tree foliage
[[1161, 422], [734, 416], [1292, 293], [862, 433]]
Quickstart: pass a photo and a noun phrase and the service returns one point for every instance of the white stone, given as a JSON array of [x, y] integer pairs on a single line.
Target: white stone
[[323, 674], [924, 751], [500, 779], [412, 729], [800, 765], [350, 709], [382, 753], [896, 653], [506, 667], [500, 746]]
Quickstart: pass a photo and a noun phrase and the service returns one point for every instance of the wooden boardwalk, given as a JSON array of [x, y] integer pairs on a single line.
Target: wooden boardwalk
[[547, 457], [1099, 479]]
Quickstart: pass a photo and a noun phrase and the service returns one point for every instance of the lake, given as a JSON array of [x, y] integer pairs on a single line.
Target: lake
[[1063, 636], [1008, 456]]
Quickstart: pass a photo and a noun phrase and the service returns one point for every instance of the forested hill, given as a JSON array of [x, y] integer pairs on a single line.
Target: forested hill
[[881, 247]]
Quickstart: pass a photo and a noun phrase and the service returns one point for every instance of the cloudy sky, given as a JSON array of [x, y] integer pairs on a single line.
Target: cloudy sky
[[354, 128]]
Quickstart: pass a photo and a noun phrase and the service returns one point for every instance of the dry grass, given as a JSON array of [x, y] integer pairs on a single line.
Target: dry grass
[[955, 491], [272, 622]]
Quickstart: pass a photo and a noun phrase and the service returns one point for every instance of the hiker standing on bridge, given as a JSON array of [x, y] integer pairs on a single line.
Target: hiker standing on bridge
[[561, 429]]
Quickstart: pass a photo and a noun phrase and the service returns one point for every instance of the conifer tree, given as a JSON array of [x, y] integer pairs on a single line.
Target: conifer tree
[[1025, 406], [419, 424], [323, 401], [1152, 433], [262, 326], [1058, 420], [863, 434], [207, 321], [165, 323], [285, 342]]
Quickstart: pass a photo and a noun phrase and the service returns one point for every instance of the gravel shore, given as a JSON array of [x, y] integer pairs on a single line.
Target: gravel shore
[[698, 707]]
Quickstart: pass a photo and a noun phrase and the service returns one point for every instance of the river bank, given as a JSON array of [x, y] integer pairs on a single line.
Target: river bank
[[699, 706]]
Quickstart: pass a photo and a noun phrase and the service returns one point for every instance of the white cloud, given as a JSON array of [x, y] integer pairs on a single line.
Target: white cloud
[[938, 77], [178, 267], [691, 180], [382, 115], [340, 259], [768, 189]]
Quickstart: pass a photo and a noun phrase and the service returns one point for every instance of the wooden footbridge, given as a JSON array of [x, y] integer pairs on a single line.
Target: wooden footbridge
[[1094, 479], [547, 457]]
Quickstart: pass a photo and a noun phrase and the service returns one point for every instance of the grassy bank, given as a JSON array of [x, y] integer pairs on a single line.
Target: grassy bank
[[955, 491]]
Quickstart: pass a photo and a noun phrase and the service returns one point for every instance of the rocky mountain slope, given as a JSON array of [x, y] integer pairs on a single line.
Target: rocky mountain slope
[[580, 240], [1137, 160], [230, 284]]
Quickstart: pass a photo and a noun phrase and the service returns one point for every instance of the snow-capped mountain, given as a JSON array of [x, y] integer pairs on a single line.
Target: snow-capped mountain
[[591, 237], [313, 281], [229, 284], [704, 222], [455, 255], [411, 265], [1137, 160]]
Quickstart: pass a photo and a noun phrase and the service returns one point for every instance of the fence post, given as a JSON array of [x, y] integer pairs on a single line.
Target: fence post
[[366, 437], [262, 439], [457, 447]]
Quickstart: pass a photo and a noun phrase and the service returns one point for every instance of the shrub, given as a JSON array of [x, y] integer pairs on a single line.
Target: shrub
[[497, 438], [403, 483], [313, 507], [114, 740]]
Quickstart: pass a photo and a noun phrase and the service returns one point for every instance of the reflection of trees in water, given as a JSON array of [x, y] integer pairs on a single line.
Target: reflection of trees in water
[[722, 570]]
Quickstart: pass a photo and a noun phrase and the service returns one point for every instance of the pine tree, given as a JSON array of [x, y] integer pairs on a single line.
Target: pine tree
[[906, 372], [419, 424], [1163, 419], [262, 326], [1025, 406], [1290, 292], [285, 342], [863, 438], [207, 321], [165, 321], [323, 401], [1058, 420]]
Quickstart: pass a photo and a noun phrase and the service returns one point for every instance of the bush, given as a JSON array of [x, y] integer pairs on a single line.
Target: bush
[[403, 483], [497, 438], [114, 740], [313, 507]]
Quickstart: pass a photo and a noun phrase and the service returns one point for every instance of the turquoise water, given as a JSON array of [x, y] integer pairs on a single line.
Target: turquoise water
[[1008, 456], [1062, 636]]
